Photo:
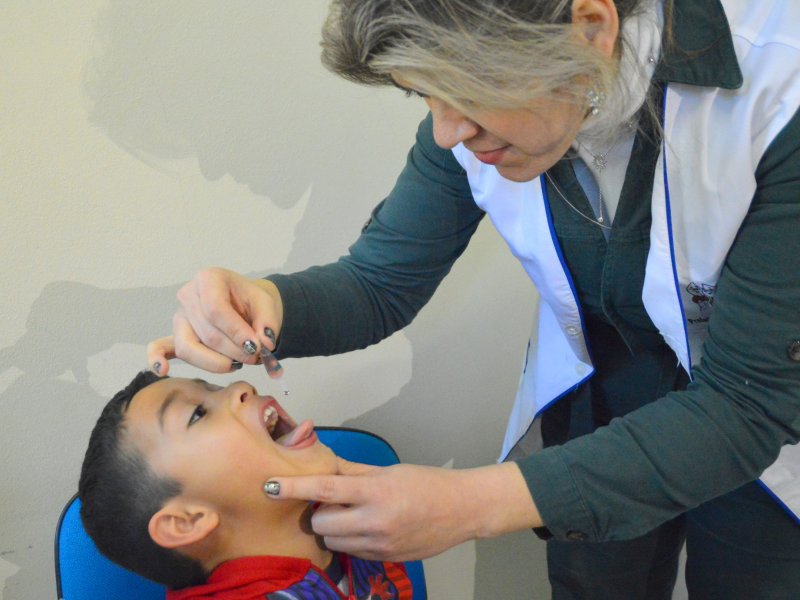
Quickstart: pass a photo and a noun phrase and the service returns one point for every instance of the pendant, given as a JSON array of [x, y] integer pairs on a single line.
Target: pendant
[[600, 162]]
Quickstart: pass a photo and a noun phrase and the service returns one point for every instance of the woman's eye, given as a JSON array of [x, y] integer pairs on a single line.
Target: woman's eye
[[197, 414], [415, 94]]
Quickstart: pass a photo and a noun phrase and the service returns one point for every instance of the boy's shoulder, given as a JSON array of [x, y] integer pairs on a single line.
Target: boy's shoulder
[[286, 578]]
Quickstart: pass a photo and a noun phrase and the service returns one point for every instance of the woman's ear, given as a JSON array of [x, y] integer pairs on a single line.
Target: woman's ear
[[180, 524], [598, 22]]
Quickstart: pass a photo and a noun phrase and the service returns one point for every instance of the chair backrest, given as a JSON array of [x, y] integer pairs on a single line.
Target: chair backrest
[[361, 446], [82, 573]]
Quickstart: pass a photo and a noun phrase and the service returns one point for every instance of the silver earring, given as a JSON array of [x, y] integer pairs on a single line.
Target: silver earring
[[595, 101]]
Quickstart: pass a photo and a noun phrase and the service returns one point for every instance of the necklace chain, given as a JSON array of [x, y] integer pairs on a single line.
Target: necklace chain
[[597, 221]]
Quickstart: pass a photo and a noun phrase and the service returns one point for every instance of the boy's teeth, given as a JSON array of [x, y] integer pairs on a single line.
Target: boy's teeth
[[271, 418]]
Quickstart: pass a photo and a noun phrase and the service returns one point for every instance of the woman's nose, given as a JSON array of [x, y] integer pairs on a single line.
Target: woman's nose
[[450, 126]]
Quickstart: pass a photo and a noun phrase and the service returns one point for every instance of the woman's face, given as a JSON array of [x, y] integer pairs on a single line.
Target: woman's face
[[523, 143], [520, 143]]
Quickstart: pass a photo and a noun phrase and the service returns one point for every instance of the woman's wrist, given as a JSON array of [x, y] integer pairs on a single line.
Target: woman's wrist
[[498, 501]]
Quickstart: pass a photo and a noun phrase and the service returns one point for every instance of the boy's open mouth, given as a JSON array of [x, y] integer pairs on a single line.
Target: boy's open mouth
[[277, 421], [282, 428]]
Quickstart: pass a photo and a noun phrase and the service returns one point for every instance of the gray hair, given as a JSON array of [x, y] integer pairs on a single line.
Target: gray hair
[[488, 53]]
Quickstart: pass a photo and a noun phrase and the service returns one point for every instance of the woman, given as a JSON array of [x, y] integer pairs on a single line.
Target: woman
[[642, 160]]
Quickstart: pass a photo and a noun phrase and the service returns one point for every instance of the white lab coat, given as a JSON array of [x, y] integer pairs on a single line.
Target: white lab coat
[[704, 183]]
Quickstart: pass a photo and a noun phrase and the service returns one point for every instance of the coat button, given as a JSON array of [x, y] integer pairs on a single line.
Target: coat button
[[572, 330], [793, 351], [576, 536]]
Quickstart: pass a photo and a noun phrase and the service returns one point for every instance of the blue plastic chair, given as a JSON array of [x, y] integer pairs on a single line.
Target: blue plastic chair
[[82, 573]]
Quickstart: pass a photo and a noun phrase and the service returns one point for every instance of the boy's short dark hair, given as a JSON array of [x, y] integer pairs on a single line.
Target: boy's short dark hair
[[119, 493]]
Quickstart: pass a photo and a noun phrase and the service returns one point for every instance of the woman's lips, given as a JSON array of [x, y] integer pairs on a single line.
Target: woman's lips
[[491, 157]]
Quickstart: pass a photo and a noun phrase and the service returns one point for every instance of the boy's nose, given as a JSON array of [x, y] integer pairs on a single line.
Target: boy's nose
[[240, 392]]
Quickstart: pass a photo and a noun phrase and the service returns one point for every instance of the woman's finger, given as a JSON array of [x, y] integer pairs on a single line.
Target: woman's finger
[[323, 488], [212, 309], [159, 353], [265, 309], [196, 328], [189, 348], [220, 305], [330, 489]]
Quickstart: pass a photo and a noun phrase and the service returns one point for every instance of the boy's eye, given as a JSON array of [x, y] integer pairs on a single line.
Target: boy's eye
[[198, 413]]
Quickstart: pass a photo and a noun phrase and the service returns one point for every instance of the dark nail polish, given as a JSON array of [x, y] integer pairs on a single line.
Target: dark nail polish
[[157, 368], [235, 365], [250, 346], [272, 488], [270, 334]]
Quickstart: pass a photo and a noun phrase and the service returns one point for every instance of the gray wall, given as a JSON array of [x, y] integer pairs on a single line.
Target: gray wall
[[142, 141]]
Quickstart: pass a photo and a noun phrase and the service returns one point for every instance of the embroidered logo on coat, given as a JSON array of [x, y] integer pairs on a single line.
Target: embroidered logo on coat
[[703, 296]]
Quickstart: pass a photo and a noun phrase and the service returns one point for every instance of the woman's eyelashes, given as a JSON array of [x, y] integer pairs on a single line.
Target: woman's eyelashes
[[198, 413], [414, 94]]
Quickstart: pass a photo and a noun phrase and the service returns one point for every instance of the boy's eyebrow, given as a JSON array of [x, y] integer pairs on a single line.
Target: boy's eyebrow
[[175, 395], [168, 400], [205, 384]]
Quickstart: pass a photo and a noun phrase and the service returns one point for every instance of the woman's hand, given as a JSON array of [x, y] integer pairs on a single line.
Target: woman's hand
[[219, 311], [409, 512]]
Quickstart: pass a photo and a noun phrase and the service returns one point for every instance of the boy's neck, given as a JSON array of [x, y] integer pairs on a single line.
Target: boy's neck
[[289, 536]]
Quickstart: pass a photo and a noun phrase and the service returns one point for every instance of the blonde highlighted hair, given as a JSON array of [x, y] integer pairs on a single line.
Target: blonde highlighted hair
[[487, 53]]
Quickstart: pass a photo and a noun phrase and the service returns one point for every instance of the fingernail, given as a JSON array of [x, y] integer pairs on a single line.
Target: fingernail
[[270, 334], [157, 368], [272, 488], [235, 365], [250, 347]]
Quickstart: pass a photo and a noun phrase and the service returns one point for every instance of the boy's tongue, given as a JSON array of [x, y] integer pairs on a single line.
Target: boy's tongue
[[287, 432], [297, 435]]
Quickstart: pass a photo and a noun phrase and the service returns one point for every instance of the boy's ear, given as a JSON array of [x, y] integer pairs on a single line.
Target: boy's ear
[[180, 523]]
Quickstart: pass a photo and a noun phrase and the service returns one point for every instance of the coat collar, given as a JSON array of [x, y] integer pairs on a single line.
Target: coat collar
[[700, 49]]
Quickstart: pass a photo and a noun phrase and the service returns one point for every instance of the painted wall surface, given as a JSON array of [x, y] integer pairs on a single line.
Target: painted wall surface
[[142, 141]]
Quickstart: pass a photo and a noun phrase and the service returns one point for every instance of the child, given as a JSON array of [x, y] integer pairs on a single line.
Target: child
[[171, 488]]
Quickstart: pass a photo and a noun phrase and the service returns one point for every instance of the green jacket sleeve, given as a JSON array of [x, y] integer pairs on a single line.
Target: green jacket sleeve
[[730, 423], [408, 246]]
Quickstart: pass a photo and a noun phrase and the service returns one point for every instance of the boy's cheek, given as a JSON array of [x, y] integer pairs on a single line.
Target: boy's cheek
[[329, 464]]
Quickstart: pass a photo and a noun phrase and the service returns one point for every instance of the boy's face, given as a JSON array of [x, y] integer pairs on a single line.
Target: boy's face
[[221, 444]]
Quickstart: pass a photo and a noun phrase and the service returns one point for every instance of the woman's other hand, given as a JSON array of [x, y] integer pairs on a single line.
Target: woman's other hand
[[219, 312], [410, 512]]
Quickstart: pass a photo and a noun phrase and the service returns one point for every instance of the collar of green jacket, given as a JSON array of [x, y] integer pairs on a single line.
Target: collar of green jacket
[[698, 47]]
